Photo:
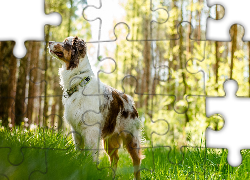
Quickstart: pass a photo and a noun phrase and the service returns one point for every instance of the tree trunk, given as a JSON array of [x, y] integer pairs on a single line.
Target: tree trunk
[[12, 87], [182, 65], [249, 68], [189, 33], [70, 16], [21, 86], [45, 109], [216, 58], [147, 61], [34, 55], [199, 25], [7, 60], [233, 49]]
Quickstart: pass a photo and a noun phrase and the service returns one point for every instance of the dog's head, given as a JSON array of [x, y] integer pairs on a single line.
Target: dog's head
[[70, 51]]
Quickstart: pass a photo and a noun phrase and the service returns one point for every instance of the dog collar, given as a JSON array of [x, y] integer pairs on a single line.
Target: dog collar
[[82, 83], [81, 72]]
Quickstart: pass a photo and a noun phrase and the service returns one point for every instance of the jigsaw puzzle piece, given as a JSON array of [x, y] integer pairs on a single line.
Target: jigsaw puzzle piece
[[59, 152], [21, 152], [124, 153], [181, 126], [125, 59], [51, 121], [26, 73], [4, 177], [224, 138], [186, 136], [219, 29], [168, 70], [164, 106], [193, 12], [86, 169], [227, 60], [26, 22], [156, 16], [6, 104], [8, 65], [196, 117], [219, 168], [154, 129], [110, 12], [28, 165], [175, 60], [193, 160], [195, 157], [181, 49]]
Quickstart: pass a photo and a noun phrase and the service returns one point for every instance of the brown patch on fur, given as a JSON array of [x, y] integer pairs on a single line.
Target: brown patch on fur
[[125, 114], [134, 113], [116, 105], [124, 96], [78, 50]]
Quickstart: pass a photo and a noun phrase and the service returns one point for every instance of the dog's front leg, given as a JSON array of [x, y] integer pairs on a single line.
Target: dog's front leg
[[92, 140], [78, 140]]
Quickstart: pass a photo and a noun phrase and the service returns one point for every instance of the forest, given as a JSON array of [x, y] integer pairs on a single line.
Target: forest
[[169, 68], [155, 51]]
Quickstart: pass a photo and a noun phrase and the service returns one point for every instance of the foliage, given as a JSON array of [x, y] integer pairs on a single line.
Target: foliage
[[189, 163]]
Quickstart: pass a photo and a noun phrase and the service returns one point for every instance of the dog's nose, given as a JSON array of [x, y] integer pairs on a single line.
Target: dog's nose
[[50, 42]]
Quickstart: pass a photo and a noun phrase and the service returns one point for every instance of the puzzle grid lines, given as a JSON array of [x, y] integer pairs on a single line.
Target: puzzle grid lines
[[158, 52]]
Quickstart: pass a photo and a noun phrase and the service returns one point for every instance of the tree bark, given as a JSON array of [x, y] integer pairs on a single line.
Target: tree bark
[[70, 16], [233, 49], [147, 61], [199, 24], [216, 58], [182, 65], [12, 87], [45, 109], [33, 79]]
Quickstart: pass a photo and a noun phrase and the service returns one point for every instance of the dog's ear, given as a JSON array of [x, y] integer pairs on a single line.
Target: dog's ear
[[78, 51], [80, 46]]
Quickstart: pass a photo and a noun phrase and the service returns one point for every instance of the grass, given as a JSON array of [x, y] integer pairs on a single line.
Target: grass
[[46, 154]]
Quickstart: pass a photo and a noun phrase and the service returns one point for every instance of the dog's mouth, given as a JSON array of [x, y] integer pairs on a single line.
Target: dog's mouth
[[59, 54]]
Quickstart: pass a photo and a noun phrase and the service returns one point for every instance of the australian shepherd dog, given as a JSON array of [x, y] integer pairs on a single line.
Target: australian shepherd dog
[[93, 109]]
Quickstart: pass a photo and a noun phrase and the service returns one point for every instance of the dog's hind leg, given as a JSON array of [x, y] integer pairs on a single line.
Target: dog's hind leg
[[112, 145], [133, 146]]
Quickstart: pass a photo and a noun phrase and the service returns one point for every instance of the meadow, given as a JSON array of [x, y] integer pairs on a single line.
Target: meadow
[[46, 154]]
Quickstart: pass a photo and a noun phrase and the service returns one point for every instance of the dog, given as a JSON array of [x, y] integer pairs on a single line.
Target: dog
[[95, 110]]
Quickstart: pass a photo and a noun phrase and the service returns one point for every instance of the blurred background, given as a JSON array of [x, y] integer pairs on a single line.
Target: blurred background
[[161, 58]]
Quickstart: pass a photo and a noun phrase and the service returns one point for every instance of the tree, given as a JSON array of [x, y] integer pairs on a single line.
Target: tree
[[233, 48], [20, 88], [216, 56], [12, 86]]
